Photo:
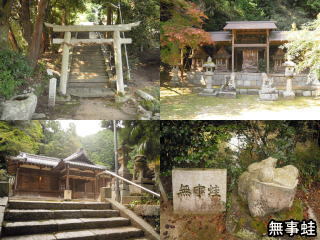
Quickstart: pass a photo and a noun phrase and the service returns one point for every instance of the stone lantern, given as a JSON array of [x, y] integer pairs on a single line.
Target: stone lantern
[[175, 80], [289, 74], [208, 74]]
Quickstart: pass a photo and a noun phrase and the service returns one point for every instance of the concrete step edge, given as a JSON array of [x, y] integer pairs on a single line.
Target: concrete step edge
[[42, 214], [57, 225], [128, 232]]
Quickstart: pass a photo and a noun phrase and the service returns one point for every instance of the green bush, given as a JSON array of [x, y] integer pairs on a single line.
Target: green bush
[[14, 72]]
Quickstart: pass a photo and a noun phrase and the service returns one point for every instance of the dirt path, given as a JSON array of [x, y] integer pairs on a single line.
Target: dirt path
[[97, 108]]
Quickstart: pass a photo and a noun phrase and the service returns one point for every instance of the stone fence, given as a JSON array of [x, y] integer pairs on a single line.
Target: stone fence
[[250, 83]]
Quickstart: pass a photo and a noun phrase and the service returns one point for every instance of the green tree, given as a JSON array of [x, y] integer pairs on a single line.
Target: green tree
[[99, 147], [19, 136], [59, 143], [304, 46]]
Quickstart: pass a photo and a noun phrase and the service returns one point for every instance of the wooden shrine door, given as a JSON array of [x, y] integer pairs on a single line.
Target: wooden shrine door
[[250, 60]]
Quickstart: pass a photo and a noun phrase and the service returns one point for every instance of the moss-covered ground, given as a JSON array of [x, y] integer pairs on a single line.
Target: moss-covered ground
[[183, 103]]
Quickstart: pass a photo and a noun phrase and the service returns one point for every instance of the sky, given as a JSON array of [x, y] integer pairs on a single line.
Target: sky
[[83, 127]]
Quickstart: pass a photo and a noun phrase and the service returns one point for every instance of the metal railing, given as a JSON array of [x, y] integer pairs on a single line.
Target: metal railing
[[107, 57], [130, 182]]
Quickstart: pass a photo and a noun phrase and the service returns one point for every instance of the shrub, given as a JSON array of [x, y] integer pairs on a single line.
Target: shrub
[[14, 72]]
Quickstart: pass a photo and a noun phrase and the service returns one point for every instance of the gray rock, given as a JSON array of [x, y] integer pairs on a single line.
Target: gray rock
[[267, 189], [20, 107]]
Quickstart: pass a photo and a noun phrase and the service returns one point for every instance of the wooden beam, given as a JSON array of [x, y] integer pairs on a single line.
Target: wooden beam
[[93, 28], [251, 45], [233, 33], [65, 63], [268, 53], [67, 178], [118, 61], [89, 41]]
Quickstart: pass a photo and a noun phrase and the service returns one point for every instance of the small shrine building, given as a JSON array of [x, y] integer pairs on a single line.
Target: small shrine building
[[42, 176], [248, 42]]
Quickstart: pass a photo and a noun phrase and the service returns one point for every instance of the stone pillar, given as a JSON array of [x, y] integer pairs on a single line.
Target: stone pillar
[[118, 61], [65, 63], [124, 171], [208, 78], [52, 92]]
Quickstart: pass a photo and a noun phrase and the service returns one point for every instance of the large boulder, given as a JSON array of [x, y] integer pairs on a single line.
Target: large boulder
[[20, 107], [267, 189]]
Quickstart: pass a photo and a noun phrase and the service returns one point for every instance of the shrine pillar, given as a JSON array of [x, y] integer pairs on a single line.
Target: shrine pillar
[[65, 63]]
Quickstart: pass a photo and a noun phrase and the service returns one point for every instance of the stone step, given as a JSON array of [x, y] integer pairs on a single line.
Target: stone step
[[16, 204], [91, 73], [130, 233], [87, 85], [93, 92], [88, 79], [58, 225], [43, 214]]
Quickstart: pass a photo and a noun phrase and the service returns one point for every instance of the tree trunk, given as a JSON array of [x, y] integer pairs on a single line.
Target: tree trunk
[[5, 12], [25, 20], [13, 39], [109, 20], [34, 48]]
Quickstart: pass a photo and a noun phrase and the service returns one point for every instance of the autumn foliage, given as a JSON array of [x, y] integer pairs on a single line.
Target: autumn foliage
[[183, 29]]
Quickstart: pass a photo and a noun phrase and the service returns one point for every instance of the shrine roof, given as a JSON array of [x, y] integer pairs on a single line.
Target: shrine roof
[[279, 36], [221, 36], [36, 159], [78, 159], [245, 25]]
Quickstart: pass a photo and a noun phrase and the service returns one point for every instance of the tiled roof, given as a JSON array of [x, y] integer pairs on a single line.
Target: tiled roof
[[37, 159], [246, 25], [221, 36], [72, 160]]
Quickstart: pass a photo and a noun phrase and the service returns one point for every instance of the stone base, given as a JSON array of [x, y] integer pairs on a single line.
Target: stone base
[[136, 190], [208, 92], [129, 199], [67, 195], [268, 96], [20, 107], [105, 192], [288, 95], [224, 94]]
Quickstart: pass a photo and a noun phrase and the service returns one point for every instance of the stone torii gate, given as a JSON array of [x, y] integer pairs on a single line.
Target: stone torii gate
[[67, 42]]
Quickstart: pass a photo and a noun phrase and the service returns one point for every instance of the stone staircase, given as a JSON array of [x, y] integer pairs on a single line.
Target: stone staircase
[[88, 77], [49, 220]]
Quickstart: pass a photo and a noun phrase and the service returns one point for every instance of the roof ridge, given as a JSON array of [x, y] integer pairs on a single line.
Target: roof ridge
[[35, 155]]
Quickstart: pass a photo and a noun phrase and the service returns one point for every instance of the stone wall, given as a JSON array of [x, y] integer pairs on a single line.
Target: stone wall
[[250, 83]]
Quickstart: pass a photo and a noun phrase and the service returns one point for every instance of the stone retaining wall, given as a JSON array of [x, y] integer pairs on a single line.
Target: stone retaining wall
[[250, 83]]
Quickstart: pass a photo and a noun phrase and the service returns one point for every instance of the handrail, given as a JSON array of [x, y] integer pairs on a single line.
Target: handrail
[[107, 57], [128, 181]]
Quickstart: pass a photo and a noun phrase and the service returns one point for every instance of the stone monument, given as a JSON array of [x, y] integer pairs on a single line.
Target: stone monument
[[268, 189], [208, 91], [268, 92], [199, 191], [52, 92], [228, 89], [289, 73]]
